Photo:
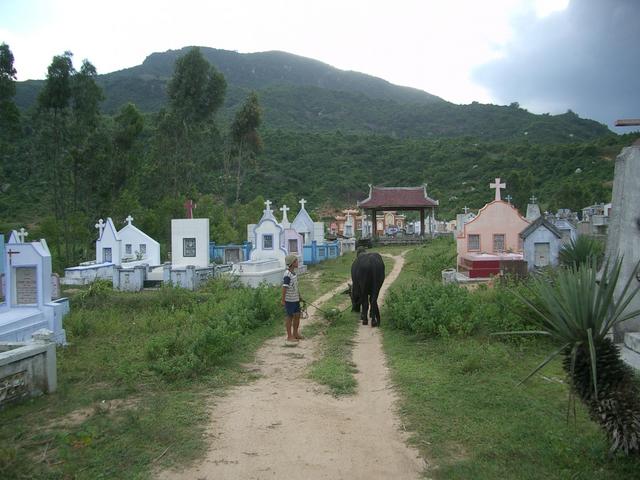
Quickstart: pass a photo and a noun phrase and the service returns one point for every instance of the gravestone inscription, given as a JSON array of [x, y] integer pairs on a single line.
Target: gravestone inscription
[[26, 285]]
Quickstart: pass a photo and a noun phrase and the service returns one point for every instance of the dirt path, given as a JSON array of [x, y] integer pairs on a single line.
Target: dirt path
[[284, 426]]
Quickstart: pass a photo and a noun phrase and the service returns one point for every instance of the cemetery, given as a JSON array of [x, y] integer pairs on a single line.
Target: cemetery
[[162, 353]]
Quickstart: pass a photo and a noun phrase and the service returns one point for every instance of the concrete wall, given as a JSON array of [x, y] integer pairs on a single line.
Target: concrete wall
[[624, 226], [27, 369]]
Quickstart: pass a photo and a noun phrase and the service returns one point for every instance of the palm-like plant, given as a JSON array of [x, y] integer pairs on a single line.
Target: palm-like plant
[[581, 252], [579, 311]]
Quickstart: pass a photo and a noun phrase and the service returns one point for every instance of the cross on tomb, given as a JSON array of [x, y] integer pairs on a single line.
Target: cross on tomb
[[284, 209], [22, 234], [498, 186], [100, 227], [466, 209], [11, 253], [189, 206], [508, 197], [302, 203], [533, 199], [129, 219], [268, 205]]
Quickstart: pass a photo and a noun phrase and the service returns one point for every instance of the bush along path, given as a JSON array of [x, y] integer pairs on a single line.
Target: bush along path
[[286, 426]]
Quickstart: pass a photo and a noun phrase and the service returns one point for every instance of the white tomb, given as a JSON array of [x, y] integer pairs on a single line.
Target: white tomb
[[266, 263], [190, 266], [138, 247], [303, 224], [28, 306], [128, 248], [190, 242]]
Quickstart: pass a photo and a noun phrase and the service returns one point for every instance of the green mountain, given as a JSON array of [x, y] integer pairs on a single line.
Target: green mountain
[[303, 94]]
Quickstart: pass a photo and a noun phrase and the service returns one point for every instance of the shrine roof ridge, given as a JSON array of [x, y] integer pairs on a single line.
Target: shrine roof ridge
[[398, 197]]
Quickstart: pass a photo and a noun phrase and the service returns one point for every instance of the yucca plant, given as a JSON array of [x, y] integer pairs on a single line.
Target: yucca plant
[[579, 311], [581, 252]]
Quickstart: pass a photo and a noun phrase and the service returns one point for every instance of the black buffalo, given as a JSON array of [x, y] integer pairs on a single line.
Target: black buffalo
[[367, 275]]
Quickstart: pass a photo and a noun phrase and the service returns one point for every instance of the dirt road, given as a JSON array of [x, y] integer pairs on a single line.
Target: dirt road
[[284, 426]]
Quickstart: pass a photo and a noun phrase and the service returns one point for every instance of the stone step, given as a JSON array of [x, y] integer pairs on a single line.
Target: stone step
[[632, 341]]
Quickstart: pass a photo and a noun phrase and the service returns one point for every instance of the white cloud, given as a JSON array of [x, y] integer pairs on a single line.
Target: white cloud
[[431, 45]]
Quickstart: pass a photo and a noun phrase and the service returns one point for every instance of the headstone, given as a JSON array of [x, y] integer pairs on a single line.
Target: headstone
[[533, 209], [28, 303], [55, 286]]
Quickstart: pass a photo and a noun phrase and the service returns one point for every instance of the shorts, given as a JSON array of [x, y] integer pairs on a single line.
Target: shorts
[[291, 308]]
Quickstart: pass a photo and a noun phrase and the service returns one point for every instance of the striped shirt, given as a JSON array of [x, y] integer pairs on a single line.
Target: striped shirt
[[290, 282]]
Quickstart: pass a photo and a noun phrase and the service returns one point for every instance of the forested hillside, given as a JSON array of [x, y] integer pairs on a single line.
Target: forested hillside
[[302, 94], [64, 164]]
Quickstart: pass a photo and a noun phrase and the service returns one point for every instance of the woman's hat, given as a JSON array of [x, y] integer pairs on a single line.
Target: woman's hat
[[289, 259]]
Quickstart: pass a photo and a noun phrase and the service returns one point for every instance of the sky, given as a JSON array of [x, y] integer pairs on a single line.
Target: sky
[[547, 55]]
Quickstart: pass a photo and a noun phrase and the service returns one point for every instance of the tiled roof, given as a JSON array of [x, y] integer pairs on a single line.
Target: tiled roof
[[398, 198]]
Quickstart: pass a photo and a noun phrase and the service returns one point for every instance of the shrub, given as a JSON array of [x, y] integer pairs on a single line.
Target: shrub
[[433, 309], [581, 252], [206, 326]]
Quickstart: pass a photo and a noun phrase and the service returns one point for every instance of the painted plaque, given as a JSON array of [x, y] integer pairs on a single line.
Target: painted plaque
[[26, 285]]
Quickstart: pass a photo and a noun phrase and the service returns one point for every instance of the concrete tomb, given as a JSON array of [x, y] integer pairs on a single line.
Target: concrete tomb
[[266, 263], [27, 369], [541, 244], [28, 304], [303, 224], [127, 248], [190, 266], [490, 243]]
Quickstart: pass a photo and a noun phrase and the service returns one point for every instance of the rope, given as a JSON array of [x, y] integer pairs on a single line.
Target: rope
[[306, 315]]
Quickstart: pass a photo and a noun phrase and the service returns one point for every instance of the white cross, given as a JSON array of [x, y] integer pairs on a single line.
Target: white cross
[[285, 221], [268, 204], [100, 227], [302, 202], [508, 197], [466, 209], [498, 186], [129, 219], [22, 234], [533, 199]]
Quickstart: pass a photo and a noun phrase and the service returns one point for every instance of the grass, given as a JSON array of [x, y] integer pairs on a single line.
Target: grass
[[335, 368], [459, 398], [78, 432], [113, 416]]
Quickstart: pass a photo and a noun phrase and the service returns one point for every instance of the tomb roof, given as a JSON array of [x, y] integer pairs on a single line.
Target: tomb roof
[[398, 198], [540, 222]]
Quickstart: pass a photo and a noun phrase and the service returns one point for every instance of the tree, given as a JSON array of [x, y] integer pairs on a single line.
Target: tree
[[125, 162], [9, 113], [578, 310], [246, 141], [70, 144], [196, 91]]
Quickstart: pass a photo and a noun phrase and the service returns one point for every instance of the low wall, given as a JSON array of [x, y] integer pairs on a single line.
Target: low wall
[[27, 369], [129, 279], [189, 277], [319, 252], [86, 274]]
